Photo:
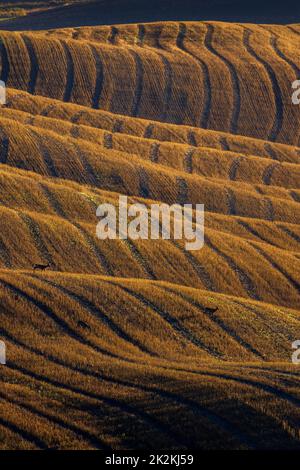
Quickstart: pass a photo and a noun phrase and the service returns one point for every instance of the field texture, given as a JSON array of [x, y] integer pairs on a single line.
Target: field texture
[[141, 344], [12, 9]]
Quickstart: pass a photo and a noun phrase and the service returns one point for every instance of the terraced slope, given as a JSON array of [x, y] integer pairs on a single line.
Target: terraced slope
[[118, 345], [202, 73]]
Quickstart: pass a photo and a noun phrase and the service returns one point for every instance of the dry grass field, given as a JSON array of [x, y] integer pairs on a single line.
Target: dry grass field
[[11, 9], [118, 344]]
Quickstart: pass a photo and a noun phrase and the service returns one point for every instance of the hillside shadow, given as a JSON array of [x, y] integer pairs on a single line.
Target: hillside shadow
[[107, 12]]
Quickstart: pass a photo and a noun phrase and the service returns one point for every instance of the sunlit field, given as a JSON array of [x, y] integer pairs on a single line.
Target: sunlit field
[[141, 344]]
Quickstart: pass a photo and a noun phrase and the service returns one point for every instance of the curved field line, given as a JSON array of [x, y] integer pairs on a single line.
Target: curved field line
[[199, 410], [118, 127], [269, 209], [271, 370], [279, 393], [154, 152], [57, 361], [141, 35], [144, 189], [274, 44], [295, 196], [88, 373], [245, 280], [295, 31], [87, 436], [142, 262], [289, 232], [168, 88], [208, 42], [112, 402], [5, 256], [48, 312], [75, 131], [45, 111], [217, 321], [103, 263], [168, 82], [35, 233], [108, 140], [212, 417], [139, 387], [99, 78], [276, 266], [70, 72], [74, 119], [53, 201], [45, 152], [188, 160], [265, 387], [191, 139], [92, 177], [201, 272], [205, 73], [231, 201], [27, 436], [136, 254], [148, 131], [30, 121], [256, 384], [139, 82], [113, 34], [182, 191], [258, 314], [270, 151], [261, 386], [224, 144], [234, 168], [251, 230], [268, 172], [34, 65], [95, 312], [278, 118], [4, 146], [73, 116], [173, 322]]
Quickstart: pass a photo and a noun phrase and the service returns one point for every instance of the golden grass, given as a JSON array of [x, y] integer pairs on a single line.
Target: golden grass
[[204, 161], [70, 361], [118, 345], [174, 96]]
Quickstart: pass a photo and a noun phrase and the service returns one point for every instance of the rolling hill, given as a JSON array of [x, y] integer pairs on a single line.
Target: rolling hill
[[141, 344], [37, 15]]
